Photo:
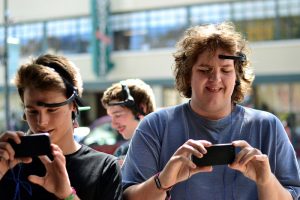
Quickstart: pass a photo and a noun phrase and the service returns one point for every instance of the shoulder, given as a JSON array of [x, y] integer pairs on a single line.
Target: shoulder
[[260, 119], [165, 114], [154, 124], [257, 115]]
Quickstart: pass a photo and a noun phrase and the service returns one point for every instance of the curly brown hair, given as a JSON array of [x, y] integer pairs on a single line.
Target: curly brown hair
[[140, 91], [210, 38], [36, 74]]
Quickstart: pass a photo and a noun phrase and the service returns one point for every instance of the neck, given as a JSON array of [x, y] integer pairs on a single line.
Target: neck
[[67, 144], [212, 114]]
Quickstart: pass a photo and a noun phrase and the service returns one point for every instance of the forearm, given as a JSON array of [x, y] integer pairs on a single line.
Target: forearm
[[273, 190], [146, 191]]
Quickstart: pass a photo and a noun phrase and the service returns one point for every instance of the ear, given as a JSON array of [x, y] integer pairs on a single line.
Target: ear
[[143, 108], [141, 117], [74, 115], [74, 106]]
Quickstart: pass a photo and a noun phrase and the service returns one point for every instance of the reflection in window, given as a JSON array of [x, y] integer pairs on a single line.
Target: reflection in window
[[213, 13], [129, 31], [69, 36], [166, 26], [148, 29], [30, 37]]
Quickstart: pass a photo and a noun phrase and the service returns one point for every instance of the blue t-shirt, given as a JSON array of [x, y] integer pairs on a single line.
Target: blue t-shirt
[[161, 133]]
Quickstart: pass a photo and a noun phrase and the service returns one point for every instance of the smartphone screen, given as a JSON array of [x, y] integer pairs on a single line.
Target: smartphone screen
[[32, 145], [218, 154]]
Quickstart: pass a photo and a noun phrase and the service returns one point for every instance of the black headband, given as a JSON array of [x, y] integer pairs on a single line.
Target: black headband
[[72, 91], [128, 100], [241, 57]]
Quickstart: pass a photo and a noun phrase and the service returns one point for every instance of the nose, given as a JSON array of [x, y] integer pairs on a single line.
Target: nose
[[215, 75], [42, 119], [114, 123]]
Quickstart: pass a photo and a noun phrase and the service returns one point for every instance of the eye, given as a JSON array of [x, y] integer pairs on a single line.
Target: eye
[[227, 70], [52, 110], [205, 70], [31, 111]]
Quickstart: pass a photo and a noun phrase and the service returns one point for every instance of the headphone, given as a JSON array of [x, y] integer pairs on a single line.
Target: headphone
[[71, 90], [128, 101]]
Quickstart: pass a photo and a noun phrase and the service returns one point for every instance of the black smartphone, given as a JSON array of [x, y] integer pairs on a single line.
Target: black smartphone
[[32, 145], [217, 154]]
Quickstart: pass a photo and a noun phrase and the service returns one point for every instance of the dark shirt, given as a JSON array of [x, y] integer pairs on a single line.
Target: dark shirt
[[94, 175]]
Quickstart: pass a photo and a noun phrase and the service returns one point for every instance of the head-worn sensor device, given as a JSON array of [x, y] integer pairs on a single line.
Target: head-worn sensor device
[[71, 90], [241, 57], [128, 100]]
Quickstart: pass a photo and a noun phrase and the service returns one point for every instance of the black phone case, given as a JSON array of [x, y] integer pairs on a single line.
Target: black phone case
[[32, 145], [220, 154]]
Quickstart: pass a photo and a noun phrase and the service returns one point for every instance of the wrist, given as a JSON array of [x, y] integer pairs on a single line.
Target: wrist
[[71, 195], [161, 187], [266, 181]]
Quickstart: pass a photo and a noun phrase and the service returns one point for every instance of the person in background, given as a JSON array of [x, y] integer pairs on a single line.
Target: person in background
[[50, 87], [127, 102], [287, 129], [212, 70]]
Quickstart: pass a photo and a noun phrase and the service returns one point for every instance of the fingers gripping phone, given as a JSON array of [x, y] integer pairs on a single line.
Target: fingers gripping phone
[[32, 145], [218, 154]]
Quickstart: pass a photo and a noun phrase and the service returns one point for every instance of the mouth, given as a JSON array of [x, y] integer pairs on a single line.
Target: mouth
[[44, 131], [214, 89], [121, 129]]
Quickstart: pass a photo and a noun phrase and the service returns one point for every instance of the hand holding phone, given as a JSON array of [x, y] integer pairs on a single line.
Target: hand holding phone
[[32, 145], [218, 154]]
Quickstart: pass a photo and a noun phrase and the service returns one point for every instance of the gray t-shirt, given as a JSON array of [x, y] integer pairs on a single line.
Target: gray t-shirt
[[161, 133]]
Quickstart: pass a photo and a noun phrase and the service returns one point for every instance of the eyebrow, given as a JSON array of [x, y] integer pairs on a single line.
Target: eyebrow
[[117, 111], [204, 65]]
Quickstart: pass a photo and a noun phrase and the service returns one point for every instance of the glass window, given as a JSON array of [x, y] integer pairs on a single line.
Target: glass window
[[30, 36], [213, 13], [129, 31], [289, 7], [69, 36], [254, 10], [148, 29], [166, 26]]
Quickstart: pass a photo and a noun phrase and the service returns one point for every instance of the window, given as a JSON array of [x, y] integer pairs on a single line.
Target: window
[[213, 13], [148, 29], [30, 36], [69, 36]]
